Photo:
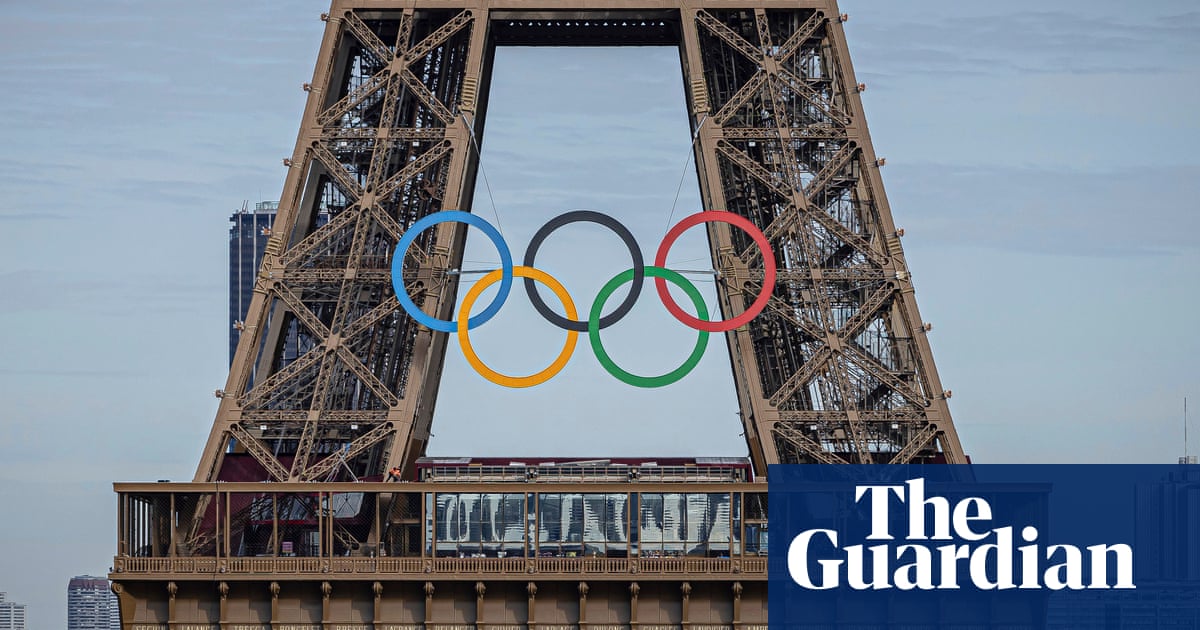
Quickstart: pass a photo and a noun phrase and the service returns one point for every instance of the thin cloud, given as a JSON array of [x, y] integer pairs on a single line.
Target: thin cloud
[[32, 216], [72, 373], [1029, 42], [41, 291], [1133, 213]]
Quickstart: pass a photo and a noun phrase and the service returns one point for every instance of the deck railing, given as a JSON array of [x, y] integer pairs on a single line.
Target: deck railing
[[748, 567]]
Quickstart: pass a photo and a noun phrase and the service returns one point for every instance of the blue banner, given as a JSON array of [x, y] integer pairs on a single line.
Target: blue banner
[[984, 546]]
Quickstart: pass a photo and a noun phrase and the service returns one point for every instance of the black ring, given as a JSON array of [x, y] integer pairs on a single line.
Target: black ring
[[577, 216]]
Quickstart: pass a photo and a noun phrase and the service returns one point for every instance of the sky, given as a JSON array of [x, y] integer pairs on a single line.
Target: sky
[[1041, 158]]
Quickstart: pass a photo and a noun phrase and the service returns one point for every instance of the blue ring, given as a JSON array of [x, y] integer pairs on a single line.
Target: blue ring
[[445, 216]]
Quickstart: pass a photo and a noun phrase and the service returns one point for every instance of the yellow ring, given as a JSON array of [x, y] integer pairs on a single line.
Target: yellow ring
[[464, 313]]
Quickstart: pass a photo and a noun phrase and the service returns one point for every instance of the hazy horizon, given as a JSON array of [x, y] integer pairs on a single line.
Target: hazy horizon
[[1040, 157]]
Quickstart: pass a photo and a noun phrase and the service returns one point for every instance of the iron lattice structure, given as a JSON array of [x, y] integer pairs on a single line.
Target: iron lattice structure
[[333, 382], [837, 369]]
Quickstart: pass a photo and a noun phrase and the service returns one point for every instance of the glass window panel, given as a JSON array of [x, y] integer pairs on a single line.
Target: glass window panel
[[695, 520], [735, 531], [618, 517], [573, 518], [756, 539], [708, 524], [490, 526], [534, 523], [635, 518], [560, 524], [650, 525], [756, 506], [497, 523], [674, 523], [469, 544], [511, 520], [429, 522], [549, 518], [617, 524], [719, 528], [459, 523], [595, 518]]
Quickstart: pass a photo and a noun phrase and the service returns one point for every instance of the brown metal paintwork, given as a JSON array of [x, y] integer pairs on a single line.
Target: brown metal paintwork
[[838, 369]]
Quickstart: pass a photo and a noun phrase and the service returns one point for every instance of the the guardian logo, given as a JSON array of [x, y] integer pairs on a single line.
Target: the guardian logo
[[948, 546]]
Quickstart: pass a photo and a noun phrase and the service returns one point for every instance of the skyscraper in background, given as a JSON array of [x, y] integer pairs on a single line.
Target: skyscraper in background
[[12, 614], [91, 605], [248, 236], [1166, 517], [247, 241]]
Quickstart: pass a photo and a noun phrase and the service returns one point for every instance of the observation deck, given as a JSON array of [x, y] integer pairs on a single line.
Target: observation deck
[[648, 540]]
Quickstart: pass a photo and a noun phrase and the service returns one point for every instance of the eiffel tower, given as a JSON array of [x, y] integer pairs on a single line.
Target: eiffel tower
[[834, 369]]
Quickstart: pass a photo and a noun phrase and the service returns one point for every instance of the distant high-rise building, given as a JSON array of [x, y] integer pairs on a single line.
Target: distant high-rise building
[[91, 605], [248, 236], [12, 614], [1186, 459], [1166, 517], [247, 241]]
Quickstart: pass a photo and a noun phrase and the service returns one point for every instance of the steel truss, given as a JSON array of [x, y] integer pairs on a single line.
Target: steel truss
[[837, 369]]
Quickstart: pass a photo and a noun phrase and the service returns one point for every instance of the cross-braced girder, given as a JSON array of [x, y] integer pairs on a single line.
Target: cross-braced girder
[[835, 369], [383, 142], [785, 145], [332, 381]]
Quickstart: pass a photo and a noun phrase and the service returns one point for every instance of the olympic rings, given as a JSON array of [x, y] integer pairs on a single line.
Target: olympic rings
[[633, 379], [410, 235], [635, 253], [660, 260], [595, 322], [469, 352]]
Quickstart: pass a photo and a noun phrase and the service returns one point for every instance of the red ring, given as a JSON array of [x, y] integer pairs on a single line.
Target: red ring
[[720, 216]]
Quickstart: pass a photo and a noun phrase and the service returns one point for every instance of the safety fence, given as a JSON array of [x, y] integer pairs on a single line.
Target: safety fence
[[411, 528], [430, 567]]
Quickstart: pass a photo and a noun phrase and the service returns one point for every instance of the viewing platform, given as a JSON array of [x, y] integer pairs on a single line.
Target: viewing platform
[[443, 529], [752, 568]]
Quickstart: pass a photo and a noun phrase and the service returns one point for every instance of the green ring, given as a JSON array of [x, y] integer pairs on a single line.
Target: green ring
[[610, 365]]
